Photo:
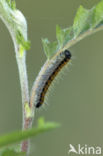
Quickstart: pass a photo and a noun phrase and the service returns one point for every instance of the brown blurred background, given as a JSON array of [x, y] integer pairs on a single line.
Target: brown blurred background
[[76, 101]]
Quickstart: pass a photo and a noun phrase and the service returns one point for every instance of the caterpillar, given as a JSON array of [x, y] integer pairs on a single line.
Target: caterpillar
[[46, 76]]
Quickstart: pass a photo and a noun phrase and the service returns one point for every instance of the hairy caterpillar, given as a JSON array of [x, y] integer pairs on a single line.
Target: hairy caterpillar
[[45, 78]]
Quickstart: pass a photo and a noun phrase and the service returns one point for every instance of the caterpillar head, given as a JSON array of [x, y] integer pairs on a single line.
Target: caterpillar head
[[67, 54]]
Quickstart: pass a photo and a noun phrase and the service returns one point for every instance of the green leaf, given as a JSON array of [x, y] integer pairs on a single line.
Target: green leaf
[[15, 22], [11, 4], [80, 21], [86, 22], [18, 136], [21, 41], [60, 36], [98, 14], [63, 35], [68, 35], [45, 43], [11, 152], [49, 48], [41, 122]]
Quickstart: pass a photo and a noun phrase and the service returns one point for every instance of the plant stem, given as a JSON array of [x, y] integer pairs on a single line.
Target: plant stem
[[17, 26], [21, 62], [77, 39]]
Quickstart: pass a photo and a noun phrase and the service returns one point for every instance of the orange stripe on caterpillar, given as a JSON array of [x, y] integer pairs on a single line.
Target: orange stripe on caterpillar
[[56, 67]]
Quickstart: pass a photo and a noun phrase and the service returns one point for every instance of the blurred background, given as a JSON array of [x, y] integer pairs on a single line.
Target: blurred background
[[76, 101]]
